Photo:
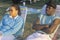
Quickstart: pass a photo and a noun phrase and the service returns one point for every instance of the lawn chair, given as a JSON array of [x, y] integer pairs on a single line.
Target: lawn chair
[[54, 34], [23, 15]]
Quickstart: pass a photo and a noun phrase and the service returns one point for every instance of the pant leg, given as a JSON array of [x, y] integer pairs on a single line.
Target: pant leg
[[38, 36], [0, 37], [9, 37], [55, 36]]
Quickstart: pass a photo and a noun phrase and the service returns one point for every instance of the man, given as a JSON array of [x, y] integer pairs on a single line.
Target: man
[[46, 24]]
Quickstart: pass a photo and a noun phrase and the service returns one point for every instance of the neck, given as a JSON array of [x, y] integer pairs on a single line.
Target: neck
[[50, 14], [13, 16]]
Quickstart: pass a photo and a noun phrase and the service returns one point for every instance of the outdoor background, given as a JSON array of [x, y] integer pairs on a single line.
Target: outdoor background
[[4, 4]]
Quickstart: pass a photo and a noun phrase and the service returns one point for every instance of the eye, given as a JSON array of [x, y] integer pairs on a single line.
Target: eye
[[11, 10]]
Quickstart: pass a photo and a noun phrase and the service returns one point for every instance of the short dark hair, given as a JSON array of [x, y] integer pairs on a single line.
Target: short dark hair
[[51, 4], [17, 8]]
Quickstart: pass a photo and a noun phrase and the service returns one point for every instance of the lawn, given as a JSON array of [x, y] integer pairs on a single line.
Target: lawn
[[28, 25]]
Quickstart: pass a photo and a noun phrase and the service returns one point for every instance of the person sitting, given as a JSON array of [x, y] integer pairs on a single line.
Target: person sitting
[[11, 23], [45, 24]]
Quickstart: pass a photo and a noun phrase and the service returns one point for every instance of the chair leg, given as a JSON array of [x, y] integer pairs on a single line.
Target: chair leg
[[55, 37]]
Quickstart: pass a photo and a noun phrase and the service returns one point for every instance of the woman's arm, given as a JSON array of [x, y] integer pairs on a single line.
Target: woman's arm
[[15, 28]]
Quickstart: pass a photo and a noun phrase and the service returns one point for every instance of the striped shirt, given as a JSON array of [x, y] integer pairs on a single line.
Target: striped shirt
[[44, 19], [10, 26]]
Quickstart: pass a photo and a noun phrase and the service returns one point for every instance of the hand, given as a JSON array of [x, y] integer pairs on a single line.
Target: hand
[[47, 26]]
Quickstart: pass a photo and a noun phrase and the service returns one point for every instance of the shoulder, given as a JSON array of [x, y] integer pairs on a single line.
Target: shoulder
[[56, 17], [6, 16], [20, 18], [40, 15]]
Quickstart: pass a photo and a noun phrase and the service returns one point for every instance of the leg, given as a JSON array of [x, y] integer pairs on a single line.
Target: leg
[[38, 36], [0, 37], [9, 37], [55, 37]]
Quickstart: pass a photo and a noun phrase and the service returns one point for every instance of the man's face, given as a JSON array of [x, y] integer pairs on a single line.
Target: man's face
[[13, 11], [50, 10]]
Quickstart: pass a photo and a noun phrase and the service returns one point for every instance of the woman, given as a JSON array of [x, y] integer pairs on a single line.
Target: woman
[[11, 23]]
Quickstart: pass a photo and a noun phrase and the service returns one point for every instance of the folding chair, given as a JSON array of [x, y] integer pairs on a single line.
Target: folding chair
[[23, 15]]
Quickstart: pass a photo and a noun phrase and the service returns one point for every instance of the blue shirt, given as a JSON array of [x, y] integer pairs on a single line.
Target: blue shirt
[[10, 26], [44, 19]]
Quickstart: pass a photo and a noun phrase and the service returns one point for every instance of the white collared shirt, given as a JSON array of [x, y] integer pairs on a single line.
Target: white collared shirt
[[14, 17]]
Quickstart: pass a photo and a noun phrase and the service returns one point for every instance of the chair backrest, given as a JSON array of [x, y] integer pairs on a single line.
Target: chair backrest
[[23, 14], [58, 10], [57, 14]]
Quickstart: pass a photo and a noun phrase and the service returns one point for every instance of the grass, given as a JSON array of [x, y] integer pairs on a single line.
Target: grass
[[28, 25], [3, 9]]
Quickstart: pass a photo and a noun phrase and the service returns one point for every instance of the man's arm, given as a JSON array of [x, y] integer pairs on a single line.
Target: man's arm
[[53, 26], [38, 26]]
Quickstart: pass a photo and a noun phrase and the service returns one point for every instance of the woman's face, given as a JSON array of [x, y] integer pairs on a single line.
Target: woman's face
[[13, 11]]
